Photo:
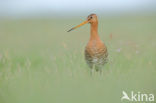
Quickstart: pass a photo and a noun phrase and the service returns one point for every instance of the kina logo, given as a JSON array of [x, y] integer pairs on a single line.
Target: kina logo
[[138, 96]]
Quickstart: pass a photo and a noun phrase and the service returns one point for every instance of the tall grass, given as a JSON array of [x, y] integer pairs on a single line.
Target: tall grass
[[41, 63]]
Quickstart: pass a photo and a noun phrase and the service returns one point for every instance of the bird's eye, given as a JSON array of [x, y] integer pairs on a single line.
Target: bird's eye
[[91, 17]]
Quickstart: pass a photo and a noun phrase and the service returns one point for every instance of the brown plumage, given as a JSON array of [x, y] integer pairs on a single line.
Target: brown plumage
[[95, 51]]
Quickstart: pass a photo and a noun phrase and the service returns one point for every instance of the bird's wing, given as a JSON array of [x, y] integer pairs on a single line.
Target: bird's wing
[[124, 93]]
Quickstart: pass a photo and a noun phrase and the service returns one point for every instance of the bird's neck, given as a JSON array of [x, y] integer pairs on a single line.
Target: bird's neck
[[94, 31]]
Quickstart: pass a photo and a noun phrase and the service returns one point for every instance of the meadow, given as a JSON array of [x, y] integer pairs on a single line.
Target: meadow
[[40, 62]]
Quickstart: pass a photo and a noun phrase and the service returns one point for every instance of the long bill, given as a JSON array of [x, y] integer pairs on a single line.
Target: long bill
[[85, 22]]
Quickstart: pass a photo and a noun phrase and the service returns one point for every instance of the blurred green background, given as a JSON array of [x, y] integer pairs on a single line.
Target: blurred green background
[[40, 62]]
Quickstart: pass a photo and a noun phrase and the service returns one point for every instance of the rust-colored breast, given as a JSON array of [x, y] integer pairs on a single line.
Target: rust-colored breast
[[96, 54]]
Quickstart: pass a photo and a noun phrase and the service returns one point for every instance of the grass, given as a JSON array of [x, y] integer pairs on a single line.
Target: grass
[[41, 63]]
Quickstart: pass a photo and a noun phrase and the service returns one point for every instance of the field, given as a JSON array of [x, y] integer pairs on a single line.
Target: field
[[40, 62]]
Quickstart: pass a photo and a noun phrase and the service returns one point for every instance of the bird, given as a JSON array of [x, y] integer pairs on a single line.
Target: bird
[[96, 54], [125, 96]]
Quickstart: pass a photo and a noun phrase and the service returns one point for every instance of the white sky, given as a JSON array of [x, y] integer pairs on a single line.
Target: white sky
[[67, 6]]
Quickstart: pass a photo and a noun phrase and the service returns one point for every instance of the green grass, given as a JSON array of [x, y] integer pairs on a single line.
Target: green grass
[[41, 63]]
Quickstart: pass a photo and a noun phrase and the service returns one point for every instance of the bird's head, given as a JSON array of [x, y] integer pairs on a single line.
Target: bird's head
[[92, 18]]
